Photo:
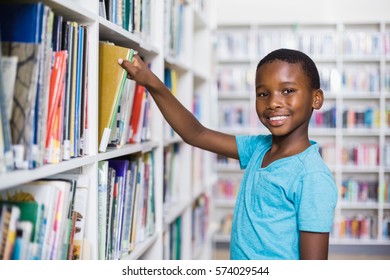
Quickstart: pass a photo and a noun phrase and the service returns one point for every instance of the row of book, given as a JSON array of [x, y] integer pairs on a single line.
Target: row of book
[[199, 222], [172, 240], [226, 188], [237, 115], [240, 80], [386, 191], [353, 190], [236, 80], [386, 227], [174, 30], [360, 154], [126, 216], [44, 219], [172, 172], [131, 15], [245, 43], [352, 154], [364, 227], [171, 82], [124, 105], [368, 117], [44, 89], [324, 118], [225, 161], [360, 78]]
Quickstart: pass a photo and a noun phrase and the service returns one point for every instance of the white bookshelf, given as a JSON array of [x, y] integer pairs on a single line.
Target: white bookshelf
[[353, 51], [194, 68]]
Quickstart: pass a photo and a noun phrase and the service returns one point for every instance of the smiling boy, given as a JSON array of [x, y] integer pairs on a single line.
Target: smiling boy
[[285, 206]]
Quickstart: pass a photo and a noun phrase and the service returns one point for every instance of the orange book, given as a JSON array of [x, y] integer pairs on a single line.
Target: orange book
[[56, 90], [111, 81]]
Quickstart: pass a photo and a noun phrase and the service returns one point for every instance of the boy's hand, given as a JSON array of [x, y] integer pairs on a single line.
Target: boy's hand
[[137, 70]]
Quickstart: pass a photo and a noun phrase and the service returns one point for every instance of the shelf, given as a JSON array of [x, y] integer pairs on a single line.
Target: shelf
[[174, 210], [193, 80], [17, 177], [141, 248]]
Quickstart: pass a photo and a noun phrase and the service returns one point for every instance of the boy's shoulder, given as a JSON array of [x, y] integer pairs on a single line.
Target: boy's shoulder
[[311, 161]]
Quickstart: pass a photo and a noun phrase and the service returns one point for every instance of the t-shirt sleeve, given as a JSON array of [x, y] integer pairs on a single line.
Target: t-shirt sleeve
[[246, 146], [318, 199]]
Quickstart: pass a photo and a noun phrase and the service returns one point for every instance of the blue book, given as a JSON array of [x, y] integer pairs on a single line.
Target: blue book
[[21, 22], [79, 72]]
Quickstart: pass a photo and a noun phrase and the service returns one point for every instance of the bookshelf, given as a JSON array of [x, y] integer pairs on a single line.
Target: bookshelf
[[185, 52], [352, 128]]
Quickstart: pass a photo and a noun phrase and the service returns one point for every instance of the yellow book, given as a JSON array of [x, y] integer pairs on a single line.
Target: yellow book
[[111, 81]]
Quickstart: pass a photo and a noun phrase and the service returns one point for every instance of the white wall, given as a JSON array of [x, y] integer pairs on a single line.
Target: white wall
[[279, 11]]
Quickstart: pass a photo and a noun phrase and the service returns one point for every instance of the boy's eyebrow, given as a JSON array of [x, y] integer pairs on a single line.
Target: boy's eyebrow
[[281, 83]]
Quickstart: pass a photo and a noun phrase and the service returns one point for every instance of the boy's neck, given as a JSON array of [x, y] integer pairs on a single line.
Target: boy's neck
[[284, 147]]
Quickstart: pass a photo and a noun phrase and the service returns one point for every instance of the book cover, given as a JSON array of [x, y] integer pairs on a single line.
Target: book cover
[[111, 81]]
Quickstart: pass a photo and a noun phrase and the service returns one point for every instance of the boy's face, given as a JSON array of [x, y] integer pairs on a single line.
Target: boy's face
[[284, 98]]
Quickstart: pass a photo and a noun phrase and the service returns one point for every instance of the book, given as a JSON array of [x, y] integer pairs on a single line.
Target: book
[[80, 209], [67, 44], [84, 125], [21, 35], [102, 209], [10, 237], [110, 212], [22, 242], [41, 101], [57, 81], [8, 66], [73, 90], [120, 131], [137, 114], [111, 81], [121, 170], [28, 222]]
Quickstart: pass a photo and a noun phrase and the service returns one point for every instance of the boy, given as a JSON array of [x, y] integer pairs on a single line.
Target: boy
[[285, 206]]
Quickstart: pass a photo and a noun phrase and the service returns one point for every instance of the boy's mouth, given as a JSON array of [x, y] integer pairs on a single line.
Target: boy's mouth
[[277, 118]]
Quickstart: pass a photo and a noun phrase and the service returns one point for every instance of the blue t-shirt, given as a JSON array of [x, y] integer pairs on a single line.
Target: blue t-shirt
[[292, 194]]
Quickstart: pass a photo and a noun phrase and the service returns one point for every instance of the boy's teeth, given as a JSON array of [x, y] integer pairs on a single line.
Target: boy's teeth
[[278, 118]]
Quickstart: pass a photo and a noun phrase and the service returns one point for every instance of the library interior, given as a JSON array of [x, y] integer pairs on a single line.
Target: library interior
[[91, 170]]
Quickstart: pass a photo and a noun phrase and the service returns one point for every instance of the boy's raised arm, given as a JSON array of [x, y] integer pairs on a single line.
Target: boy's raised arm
[[181, 120]]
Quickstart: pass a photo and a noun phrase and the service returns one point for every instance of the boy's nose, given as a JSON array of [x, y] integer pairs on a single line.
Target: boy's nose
[[274, 101]]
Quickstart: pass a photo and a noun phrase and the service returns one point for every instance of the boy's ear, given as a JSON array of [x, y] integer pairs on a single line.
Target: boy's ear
[[318, 99]]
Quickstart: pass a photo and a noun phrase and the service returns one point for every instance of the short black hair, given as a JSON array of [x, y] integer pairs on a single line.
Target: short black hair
[[293, 57]]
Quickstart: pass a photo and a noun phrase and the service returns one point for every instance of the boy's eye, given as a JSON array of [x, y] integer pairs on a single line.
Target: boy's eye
[[261, 94], [288, 91]]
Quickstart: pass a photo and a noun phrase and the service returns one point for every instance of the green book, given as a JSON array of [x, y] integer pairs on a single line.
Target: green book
[[29, 211]]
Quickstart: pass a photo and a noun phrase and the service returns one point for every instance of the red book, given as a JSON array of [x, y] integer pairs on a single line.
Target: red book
[[136, 112]]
